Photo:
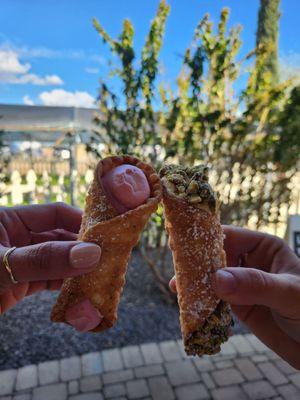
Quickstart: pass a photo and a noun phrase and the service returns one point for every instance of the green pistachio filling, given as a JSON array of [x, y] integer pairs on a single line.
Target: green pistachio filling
[[209, 337], [190, 184]]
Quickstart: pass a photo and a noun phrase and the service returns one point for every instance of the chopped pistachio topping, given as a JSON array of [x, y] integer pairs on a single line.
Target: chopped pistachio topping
[[190, 184], [209, 337]]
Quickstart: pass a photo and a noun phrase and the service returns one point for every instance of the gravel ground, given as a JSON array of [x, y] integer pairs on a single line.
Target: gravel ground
[[27, 336]]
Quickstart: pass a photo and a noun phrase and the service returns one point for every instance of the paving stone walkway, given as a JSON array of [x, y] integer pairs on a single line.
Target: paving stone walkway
[[245, 369]]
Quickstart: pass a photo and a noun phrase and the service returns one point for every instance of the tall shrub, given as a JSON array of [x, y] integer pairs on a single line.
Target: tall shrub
[[203, 121]]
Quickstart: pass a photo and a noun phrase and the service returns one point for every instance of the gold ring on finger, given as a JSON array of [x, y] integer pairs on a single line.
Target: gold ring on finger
[[7, 266]]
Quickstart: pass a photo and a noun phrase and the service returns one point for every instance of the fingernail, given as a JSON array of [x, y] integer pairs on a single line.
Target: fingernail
[[83, 316], [224, 282], [85, 255], [172, 285], [80, 324]]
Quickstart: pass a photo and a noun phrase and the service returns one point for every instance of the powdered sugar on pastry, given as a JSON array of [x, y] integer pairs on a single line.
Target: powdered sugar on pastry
[[196, 240], [117, 234]]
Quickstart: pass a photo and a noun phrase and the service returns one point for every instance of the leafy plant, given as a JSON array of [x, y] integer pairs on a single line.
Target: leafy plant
[[240, 135]]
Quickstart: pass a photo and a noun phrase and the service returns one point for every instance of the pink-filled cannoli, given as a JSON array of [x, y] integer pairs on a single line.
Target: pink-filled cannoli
[[123, 195]]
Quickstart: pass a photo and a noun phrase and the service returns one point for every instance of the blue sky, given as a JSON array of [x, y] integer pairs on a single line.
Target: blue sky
[[51, 54]]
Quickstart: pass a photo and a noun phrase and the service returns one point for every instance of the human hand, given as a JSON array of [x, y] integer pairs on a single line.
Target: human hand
[[262, 283], [47, 252]]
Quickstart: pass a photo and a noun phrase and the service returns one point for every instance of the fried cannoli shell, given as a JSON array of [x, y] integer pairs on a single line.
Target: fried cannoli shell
[[196, 241], [117, 235]]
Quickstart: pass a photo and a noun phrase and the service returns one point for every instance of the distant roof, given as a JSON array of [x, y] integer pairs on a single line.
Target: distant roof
[[43, 123]]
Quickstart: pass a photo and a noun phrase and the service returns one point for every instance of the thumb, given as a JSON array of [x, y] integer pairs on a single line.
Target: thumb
[[50, 261], [249, 286]]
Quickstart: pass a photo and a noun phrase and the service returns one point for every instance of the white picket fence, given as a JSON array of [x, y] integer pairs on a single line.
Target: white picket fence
[[44, 187], [33, 188]]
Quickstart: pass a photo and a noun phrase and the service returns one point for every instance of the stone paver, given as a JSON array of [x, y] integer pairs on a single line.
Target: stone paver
[[112, 360], [181, 372], [151, 353], [27, 377], [125, 398], [207, 380], [90, 384], [137, 389], [203, 364], [115, 390], [227, 349], [223, 364], [295, 378], [196, 391], [160, 388], [229, 393], [70, 368], [91, 364], [272, 373], [170, 350], [57, 391], [226, 377], [284, 367], [257, 358], [258, 345], [259, 390], [87, 396], [241, 344], [244, 369], [24, 396], [73, 387], [181, 349], [132, 356], [7, 381], [289, 392], [248, 369], [117, 376], [48, 372], [272, 356], [149, 370]]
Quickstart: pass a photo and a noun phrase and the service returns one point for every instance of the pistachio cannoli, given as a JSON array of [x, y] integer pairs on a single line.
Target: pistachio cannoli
[[196, 241], [113, 221]]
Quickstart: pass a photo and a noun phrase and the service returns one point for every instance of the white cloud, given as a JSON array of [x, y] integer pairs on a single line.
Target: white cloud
[[13, 71], [27, 52], [60, 97], [27, 100], [10, 64], [97, 58], [44, 52], [92, 70], [37, 80]]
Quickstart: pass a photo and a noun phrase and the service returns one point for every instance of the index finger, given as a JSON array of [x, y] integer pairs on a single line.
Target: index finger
[[44, 217], [240, 242]]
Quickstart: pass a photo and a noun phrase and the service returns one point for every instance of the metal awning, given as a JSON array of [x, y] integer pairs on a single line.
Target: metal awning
[[44, 123], [52, 126]]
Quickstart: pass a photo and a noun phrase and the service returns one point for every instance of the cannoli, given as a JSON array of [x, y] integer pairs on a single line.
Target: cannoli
[[113, 219], [196, 241]]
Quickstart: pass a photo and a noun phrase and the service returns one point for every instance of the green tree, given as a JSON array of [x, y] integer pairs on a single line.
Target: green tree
[[267, 40], [287, 149], [129, 125], [203, 121]]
